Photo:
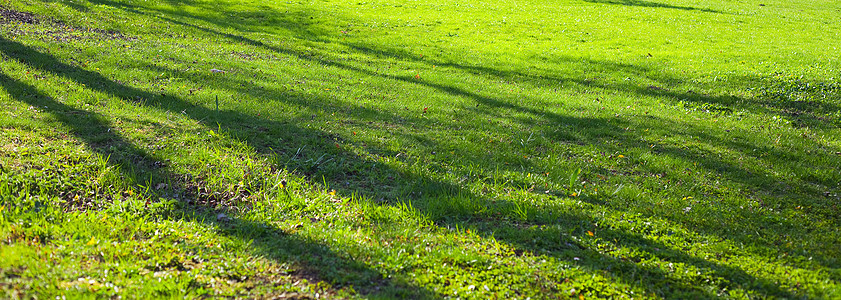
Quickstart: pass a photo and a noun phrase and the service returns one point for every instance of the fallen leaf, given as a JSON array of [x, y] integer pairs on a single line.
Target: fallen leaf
[[590, 233]]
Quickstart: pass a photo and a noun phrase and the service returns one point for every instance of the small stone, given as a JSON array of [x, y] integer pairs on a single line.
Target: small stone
[[222, 217]]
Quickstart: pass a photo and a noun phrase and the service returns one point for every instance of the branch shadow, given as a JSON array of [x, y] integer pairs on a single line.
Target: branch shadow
[[322, 264], [590, 132], [491, 105], [751, 179], [806, 103], [594, 129], [642, 3]]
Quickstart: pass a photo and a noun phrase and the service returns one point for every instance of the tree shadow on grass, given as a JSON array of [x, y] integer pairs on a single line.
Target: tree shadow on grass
[[805, 103], [652, 4], [717, 105], [566, 235], [752, 179], [488, 105], [631, 269], [592, 129], [590, 133], [93, 130], [317, 260]]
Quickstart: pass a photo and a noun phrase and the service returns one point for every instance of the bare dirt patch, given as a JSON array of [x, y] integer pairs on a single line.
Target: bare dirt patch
[[9, 16], [55, 29]]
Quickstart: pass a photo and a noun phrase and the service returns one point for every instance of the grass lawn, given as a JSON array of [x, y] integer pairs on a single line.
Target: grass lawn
[[580, 149]]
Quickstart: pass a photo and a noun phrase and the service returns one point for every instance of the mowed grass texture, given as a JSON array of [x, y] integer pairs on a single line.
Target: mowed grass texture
[[420, 149]]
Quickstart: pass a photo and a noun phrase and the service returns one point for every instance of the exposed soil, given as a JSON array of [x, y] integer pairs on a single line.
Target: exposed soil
[[9, 16], [57, 30], [196, 195]]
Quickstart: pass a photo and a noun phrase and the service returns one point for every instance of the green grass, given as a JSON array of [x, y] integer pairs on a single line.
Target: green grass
[[421, 149]]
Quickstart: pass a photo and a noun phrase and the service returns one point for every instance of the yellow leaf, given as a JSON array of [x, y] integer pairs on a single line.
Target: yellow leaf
[[580, 297], [333, 193], [91, 242], [620, 156], [590, 233]]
